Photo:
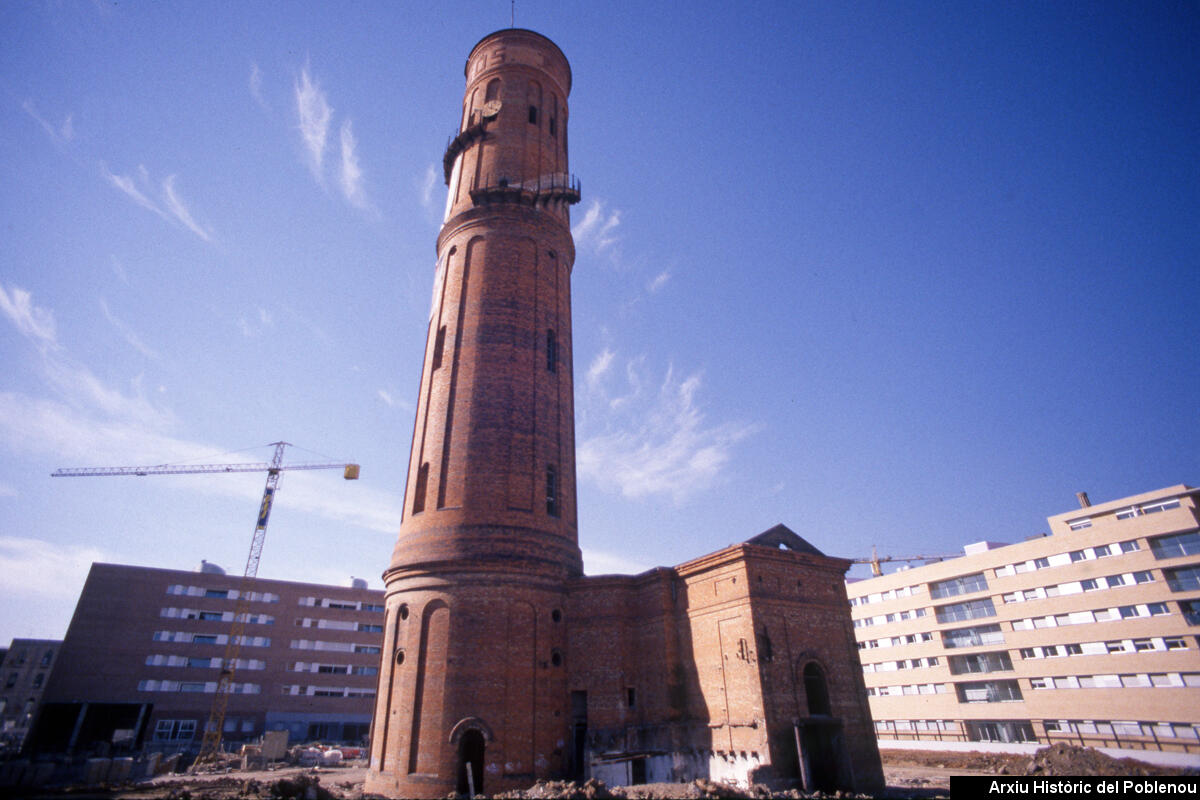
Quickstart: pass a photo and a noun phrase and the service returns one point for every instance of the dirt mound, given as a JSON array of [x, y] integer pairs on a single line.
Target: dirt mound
[[701, 789], [1055, 760]]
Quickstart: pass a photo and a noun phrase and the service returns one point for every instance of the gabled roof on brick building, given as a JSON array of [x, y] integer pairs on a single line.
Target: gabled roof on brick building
[[784, 537]]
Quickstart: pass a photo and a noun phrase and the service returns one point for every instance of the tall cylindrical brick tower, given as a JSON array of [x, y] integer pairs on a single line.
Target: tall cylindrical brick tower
[[473, 685]]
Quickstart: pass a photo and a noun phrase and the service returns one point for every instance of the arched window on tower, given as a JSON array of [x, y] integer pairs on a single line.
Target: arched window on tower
[[551, 490], [493, 90], [553, 116], [421, 487], [534, 98], [816, 691], [551, 351], [439, 344]]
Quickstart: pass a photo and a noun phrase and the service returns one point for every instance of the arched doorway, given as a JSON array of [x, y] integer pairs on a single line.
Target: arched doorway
[[470, 760], [818, 737]]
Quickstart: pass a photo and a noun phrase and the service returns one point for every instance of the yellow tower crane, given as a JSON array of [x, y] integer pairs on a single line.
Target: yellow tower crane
[[875, 560], [210, 746]]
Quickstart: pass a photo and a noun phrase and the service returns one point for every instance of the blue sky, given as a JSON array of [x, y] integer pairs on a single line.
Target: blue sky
[[895, 274]]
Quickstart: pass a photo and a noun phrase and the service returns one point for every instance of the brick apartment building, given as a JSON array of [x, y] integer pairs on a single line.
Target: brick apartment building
[[24, 669], [140, 662], [503, 664], [1088, 635]]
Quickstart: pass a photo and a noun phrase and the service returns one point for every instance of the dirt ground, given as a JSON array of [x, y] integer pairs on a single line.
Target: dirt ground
[[918, 774]]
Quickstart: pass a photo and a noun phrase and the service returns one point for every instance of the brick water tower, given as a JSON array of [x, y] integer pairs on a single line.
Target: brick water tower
[[473, 690]]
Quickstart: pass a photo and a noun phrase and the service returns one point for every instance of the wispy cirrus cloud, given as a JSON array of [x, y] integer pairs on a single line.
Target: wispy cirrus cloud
[[391, 401], [428, 184], [30, 321], [171, 206], [256, 326], [644, 443], [63, 132], [352, 174], [659, 281], [254, 83], [598, 229], [78, 418], [315, 116], [126, 332], [315, 119], [180, 211]]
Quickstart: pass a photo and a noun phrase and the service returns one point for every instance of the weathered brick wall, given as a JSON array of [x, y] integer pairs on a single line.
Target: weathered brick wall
[[715, 651]]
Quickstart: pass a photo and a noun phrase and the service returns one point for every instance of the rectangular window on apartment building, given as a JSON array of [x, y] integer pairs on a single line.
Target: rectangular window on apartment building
[[963, 584], [1000, 731], [988, 692], [1163, 505], [972, 637], [959, 612], [222, 593], [998, 661], [1183, 579], [175, 730], [1176, 545]]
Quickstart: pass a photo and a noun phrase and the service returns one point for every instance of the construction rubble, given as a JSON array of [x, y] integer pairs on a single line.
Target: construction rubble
[[315, 772]]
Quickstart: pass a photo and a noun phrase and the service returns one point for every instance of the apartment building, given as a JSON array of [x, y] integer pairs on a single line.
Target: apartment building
[[1087, 635], [141, 660], [24, 668]]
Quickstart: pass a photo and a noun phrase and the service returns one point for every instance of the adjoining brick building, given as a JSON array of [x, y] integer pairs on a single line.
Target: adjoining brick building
[[1089, 635], [140, 663], [503, 664], [24, 669]]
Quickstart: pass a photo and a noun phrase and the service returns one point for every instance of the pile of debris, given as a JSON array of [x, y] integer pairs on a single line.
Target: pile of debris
[[1056, 760], [700, 789]]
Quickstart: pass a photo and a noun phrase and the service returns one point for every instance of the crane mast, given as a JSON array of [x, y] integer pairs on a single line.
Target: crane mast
[[210, 745]]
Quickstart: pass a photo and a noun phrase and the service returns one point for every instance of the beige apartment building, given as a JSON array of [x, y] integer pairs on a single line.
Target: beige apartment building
[[1087, 635]]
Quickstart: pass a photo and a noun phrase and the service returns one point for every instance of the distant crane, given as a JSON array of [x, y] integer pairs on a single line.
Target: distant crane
[[211, 744], [875, 560]]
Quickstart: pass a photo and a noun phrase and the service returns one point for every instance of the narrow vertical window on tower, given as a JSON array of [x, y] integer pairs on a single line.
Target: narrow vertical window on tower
[[439, 344], [422, 485], [533, 115], [551, 351], [551, 490]]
